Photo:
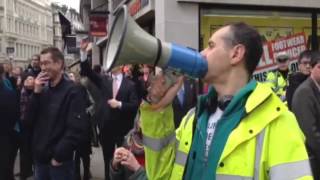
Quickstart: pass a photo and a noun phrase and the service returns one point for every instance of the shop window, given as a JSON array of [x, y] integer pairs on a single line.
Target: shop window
[[280, 31]]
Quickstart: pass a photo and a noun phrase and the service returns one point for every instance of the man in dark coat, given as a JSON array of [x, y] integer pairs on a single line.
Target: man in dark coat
[[34, 66], [185, 100], [59, 119], [306, 107], [118, 108]]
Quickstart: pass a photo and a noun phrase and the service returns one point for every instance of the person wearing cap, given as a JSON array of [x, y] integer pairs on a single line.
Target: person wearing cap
[[277, 79]]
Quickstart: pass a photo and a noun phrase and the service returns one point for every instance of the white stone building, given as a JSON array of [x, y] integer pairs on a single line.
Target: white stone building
[[25, 28], [57, 34]]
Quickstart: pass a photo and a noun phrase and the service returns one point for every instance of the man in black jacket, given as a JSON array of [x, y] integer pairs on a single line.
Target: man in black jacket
[[34, 66], [9, 114], [60, 123], [297, 78], [117, 107], [306, 107]]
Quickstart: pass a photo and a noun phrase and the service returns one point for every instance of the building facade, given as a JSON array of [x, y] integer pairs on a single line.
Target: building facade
[[57, 33], [76, 25], [99, 43], [25, 28]]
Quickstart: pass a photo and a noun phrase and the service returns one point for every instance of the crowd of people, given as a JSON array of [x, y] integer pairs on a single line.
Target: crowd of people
[[56, 116], [239, 129]]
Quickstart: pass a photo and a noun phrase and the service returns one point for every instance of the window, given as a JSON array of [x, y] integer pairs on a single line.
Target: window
[[20, 28], [20, 52], [1, 24], [56, 18], [12, 25], [8, 24], [28, 51], [24, 51], [17, 49]]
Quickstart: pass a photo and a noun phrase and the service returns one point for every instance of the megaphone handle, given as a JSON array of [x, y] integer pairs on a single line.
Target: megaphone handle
[[158, 53]]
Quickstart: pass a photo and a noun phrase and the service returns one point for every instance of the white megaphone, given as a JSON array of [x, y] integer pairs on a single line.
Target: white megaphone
[[130, 44]]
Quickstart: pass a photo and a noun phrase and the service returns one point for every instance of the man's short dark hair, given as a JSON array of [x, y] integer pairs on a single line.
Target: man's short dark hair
[[241, 33], [305, 54], [315, 58], [56, 54], [35, 57]]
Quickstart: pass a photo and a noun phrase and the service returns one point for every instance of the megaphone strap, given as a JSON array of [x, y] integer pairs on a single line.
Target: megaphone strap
[[158, 53]]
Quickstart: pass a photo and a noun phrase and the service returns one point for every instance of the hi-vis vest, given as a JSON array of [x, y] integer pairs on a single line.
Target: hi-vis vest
[[277, 83], [267, 144]]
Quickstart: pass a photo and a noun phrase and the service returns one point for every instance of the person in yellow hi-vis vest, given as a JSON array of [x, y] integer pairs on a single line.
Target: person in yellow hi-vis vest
[[239, 130], [277, 79]]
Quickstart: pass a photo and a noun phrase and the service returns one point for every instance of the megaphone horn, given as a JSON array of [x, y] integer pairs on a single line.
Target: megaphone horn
[[130, 44]]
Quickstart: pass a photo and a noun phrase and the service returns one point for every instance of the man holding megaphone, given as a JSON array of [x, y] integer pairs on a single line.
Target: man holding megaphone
[[239, 130]]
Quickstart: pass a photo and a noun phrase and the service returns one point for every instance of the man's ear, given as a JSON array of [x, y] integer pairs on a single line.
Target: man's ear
[[237, 54], [62, 65]]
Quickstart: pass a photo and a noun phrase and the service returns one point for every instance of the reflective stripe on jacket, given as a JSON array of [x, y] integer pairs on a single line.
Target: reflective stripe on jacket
[[267, 144]]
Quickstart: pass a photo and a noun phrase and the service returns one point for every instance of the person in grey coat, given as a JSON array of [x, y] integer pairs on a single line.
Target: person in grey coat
[[306, 107]]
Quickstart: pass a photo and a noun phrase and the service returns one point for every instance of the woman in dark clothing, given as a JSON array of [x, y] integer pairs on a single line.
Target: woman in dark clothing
[[84, 149], [26, 130], [9, 113]]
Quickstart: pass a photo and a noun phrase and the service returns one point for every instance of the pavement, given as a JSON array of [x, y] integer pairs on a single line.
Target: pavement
[[97, 165]]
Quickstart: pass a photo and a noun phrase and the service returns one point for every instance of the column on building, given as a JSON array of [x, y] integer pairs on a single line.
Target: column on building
[[177, 22]]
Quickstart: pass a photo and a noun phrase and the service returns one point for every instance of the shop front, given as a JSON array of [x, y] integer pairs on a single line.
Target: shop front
[[280, 30]]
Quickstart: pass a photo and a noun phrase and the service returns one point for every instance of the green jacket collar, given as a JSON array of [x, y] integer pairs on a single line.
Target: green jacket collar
[[198, 165], [203, 99]]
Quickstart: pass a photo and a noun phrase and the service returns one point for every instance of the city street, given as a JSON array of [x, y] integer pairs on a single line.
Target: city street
[[171, 89]]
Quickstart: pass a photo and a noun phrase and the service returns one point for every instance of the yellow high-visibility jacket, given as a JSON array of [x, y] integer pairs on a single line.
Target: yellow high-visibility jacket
[[267, 144]]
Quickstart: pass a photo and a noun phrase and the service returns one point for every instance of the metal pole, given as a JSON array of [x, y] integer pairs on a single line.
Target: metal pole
[[314, 35]]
